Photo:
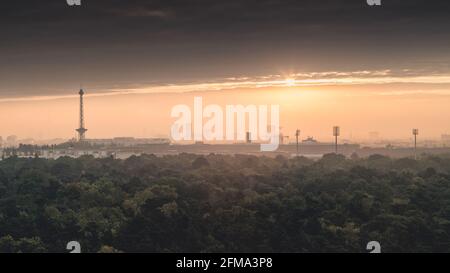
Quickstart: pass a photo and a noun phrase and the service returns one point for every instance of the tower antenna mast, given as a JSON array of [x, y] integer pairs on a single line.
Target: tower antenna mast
[[81, 130]]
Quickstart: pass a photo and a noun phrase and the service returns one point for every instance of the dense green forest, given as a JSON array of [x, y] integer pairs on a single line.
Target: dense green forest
[[220, 203]]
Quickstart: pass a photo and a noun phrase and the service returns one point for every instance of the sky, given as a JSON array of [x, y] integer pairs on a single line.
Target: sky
[[367, 68]]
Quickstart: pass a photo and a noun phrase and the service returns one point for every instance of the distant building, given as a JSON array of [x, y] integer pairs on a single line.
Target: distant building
[[309, 140], [29, 141], [127, 141], [284, 139], [445, 139], [11, 140]]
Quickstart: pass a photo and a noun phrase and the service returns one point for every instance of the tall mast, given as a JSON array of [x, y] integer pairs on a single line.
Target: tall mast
[[81, 131]]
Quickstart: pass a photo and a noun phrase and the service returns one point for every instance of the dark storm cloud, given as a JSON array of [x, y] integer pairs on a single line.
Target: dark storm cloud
[[219, 12], [47, 44]]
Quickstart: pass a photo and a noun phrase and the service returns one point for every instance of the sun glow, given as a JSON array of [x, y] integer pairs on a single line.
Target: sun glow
[[290, 82]]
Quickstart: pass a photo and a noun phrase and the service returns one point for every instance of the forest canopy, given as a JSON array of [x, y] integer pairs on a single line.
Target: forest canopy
[[224, 203]]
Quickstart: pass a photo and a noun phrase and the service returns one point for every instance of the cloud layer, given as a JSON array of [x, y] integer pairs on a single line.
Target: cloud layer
[[48, 47]]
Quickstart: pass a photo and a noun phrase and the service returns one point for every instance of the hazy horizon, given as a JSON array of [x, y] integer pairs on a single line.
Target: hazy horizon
[[313, 109]]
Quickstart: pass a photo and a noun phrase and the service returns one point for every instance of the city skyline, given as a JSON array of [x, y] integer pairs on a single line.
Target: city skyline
[[370, 136]]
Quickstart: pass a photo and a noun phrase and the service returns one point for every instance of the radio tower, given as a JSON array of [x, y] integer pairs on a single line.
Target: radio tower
[[81, 131]]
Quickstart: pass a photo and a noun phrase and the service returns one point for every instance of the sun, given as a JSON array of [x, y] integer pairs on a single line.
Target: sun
[[290, 82]]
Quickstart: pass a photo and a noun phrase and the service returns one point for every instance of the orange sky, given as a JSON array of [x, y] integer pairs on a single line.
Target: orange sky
[[392, 109]]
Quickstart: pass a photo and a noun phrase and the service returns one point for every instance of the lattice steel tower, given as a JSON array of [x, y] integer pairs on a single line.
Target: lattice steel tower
[[81, 131]]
